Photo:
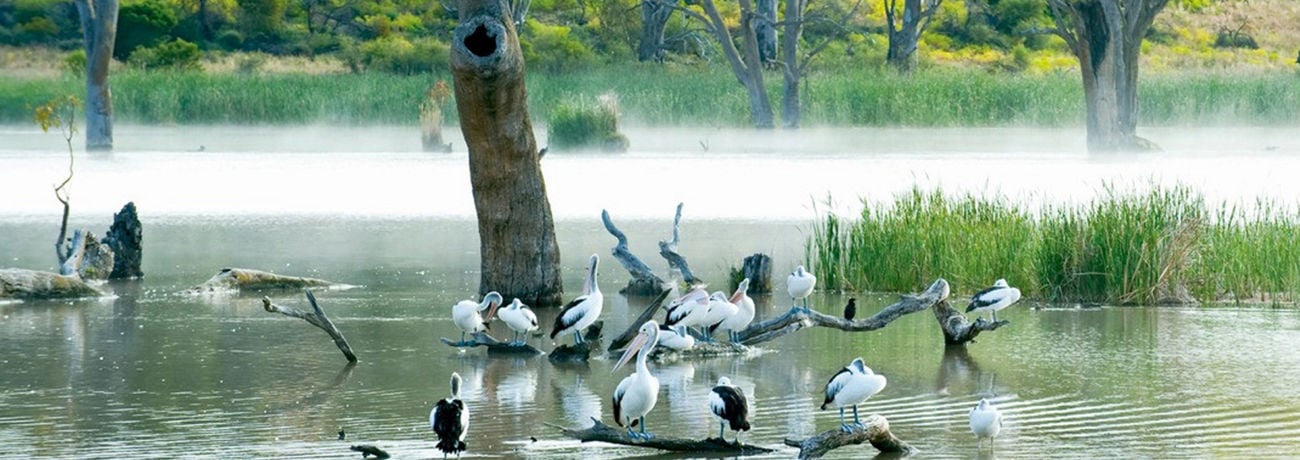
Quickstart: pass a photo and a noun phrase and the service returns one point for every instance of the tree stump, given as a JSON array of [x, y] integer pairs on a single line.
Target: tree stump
[[758, 268], [126, 238], [957, 329], [877, 433]]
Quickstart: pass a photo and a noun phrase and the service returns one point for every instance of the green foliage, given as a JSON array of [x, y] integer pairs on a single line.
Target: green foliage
[[230, 39], [142, 23], [75, 63], [177, 54], [580, 124], [554, 48], [396, 54], [262, 20], [1192, 5]]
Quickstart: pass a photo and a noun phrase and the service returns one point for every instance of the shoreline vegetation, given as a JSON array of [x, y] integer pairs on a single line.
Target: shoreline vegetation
[[1158, 245]]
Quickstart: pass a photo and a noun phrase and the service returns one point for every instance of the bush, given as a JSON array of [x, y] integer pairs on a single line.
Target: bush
[[75, 62], [37, 30], [177, 55], [579, 124], [144, 23], [230, 40], [554, 48], [396, 54]]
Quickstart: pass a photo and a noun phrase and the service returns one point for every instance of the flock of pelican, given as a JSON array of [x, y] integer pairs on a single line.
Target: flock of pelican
[[636, 395]]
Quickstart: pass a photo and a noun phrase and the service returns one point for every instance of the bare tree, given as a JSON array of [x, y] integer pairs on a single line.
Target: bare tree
[[904, 34], [795, 66], [1106, 37], [99, 29], [745, 63]]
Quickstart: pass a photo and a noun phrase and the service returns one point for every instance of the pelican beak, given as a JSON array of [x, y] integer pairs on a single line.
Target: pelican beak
[[638, 342], [492, 311]]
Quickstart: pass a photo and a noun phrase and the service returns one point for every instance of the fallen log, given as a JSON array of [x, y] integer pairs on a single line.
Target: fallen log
[[481, 339], [368, 451], [621, 341], [957, 329], [668, 249], [316, 318], [797, 319], [644, 281], [876, 432], [23, 284], [614, 435], [240, 279]]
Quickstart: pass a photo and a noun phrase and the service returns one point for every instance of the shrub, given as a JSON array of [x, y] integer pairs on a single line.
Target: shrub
[[75, 62], [230, 39], [395, 54], [145, 23], [553, 48], [37, 30], [177, 55], [581, 124]]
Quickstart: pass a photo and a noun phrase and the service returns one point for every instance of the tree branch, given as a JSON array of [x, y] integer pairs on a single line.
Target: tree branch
[[316, 318], [631, 331], [668, 249], [796, 319], [877, 433], [643, 278], [614, 435], [957, 329]]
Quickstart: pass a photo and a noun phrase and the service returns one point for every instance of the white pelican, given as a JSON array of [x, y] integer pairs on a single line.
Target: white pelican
[[985, 422], [450, 420], [995, 298], [675, 338], [520, 319], [719, 310], [728, 403], [637, 394], [800, 285], [582, 311], [688, 310], [852, 386], [466, 314], [744, 311]]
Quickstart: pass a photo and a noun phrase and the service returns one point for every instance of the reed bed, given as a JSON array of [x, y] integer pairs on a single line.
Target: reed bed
[[1160, 245]]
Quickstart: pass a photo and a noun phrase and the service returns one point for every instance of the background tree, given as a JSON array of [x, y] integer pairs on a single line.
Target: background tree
[[795, 66], [905, 31], [654, 20], [745, 64], [99, 28], [1106, 37], [765, 29]]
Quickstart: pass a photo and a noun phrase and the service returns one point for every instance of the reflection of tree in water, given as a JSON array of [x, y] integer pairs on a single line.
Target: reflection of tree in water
[[578, 403], [957, 368], [518, 388]]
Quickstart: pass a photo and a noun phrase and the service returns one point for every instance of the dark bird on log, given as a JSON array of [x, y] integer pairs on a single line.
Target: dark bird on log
[[342, 435], [368, 450], [728, 403], [450, 420], [851, 309], [851, 386], [993, 299], [542, 152]]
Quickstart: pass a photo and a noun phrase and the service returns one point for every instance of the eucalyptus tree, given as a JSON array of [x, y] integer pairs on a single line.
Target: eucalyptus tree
[[654, 21], [795, 65], [745, 63], [99, 31], [905, 31]]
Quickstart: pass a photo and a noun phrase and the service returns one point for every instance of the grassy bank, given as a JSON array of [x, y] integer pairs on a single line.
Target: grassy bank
[[674, 96], [1125, 247]]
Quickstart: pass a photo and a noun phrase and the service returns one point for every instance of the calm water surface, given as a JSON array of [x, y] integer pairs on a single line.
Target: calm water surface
[[154, 374]]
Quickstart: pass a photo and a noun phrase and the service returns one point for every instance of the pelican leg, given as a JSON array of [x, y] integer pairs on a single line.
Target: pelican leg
[[462, 339], [857, 422], [995, 316], [645, 435], [720, 425], [844, 426]]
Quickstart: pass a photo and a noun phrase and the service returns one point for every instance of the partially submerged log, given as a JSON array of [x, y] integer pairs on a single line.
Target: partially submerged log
[[701, 350], [316, 318], [796, 319], [23, 284], [580, 352], [644, 281], [668, 249], [599, 431], [238, 279], [368, 451], [482, 339], [957, 329], [622, 340], [876, 432]]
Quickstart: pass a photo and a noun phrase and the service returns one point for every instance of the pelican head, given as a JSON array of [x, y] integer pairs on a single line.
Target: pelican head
[[983, 405], [696, 295], [718, 296], [1001, 282], [645, 339], [490, 303], [515, 304], [724, 382], [455, 385], [859, 366], [589, 284], [799, 271]]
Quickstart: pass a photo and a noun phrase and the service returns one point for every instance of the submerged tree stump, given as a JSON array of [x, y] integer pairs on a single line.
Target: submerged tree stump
[[316, 318], [877, 433], [957, 329], [126, 238], [758, 268], [580, 352], [599, 431], [238, 279], [22, 284], [644, 282]]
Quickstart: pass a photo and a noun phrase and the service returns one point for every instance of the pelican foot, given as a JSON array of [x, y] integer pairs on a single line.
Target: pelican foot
[[846, 428], [860, 425], [647, 436]]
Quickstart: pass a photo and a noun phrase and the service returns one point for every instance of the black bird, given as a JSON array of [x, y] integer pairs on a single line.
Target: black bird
[[342, 435], [368, 450], [851, 309], [728, 403], [450, 420]]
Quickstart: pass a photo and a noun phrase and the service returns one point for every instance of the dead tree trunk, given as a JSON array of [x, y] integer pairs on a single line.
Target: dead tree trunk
[[99, 31], [668, 249], [904, 34], [795, 67], [1106, 37], [957, 329], [316, 318], [758, 268], [654, 20], [877, 433], [644, 281], [747, 67], [622, 339], [520, 257], [599, 431], [126, 238], [765, 30]]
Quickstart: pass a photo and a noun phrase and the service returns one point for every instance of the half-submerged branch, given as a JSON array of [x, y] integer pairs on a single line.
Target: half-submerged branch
[[877, 433], [481, 339], [668, 249], [316, 318], [614, 435], [644, 281], [237, 279], [23, 284], [797, 319], [622, 340], [957, 329]]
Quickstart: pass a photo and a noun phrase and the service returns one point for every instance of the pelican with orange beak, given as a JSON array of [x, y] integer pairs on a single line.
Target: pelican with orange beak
[[637, 394], [466, 314]]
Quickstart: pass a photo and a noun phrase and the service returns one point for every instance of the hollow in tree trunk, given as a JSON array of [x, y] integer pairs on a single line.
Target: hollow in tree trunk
[[520, 257], [99, 30], [654, 20]]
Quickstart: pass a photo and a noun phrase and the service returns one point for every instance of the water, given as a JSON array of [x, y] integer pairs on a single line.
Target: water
[[153, 374]]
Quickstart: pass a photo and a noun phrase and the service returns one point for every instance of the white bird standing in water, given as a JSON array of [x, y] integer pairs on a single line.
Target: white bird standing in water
[[520, 319], [582, 311], [744, 312], [985, 422], [675, 338], [637, 394], [688, 310], [800, 285], [449, 419], [728, 403], [719, 310], [851, 386], [466, 314], [994, 298]]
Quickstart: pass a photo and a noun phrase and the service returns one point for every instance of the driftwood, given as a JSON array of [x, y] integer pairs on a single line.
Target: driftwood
[[316, 318], [481, 339], [580, 352], [631, 331], [758, 268], [668, 249], [70, 260], [957, 329], [615, 435], [22, 284], [796, 319], [237, 279], [877, 433], [644, 281]]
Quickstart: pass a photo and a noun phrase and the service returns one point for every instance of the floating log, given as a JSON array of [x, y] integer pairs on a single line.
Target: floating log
[[23, 284], [614, 435], [796, 319], [482, 339], [668, 249], [644, 281], [957, 329], [876, 432], [621, 341], [316, 318], [238, 279], [126, 238]]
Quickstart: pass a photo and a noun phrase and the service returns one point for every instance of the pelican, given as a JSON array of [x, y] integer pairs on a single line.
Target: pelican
[[466, 314], [675, 338], [852, 386], [450, 420], [719, 310], [994, 298], [800, 285], [582, 311], [728, 403], [688, 310], [850, 310], [519, 319], [985, 422], [637, 394], [744, 312]]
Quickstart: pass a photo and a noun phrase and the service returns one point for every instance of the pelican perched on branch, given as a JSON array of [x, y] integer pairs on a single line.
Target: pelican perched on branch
[[994, 298], [466, 314], [800, 285], [719, 310], [582, 311], [728, 403], [985, 422], [637, 394], [744, 312], [688, 310], [675, 338], [851, 386], [519, 319], [450, 420]]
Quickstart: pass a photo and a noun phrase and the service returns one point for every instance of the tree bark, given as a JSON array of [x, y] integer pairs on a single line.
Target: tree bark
[[644, 281], [791, 109], [316, 318], [668, 249], [796, 319], [765, 29], [519, 254], [1106, 37], [877, 433], [99, 32], [654, 20], [126, 238], [957, 329], [758, 268], [904, 35], [599, 431]]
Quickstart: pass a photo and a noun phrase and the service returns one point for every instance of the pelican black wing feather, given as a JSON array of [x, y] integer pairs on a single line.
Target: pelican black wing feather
[[981, 299], [447, 425], [833, 387], [567, 317]]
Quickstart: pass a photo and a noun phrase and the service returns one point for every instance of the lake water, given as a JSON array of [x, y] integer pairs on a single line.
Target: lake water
[[154, 374]]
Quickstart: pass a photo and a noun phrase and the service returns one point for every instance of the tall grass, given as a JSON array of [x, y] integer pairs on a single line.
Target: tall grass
[[1125, 247]]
